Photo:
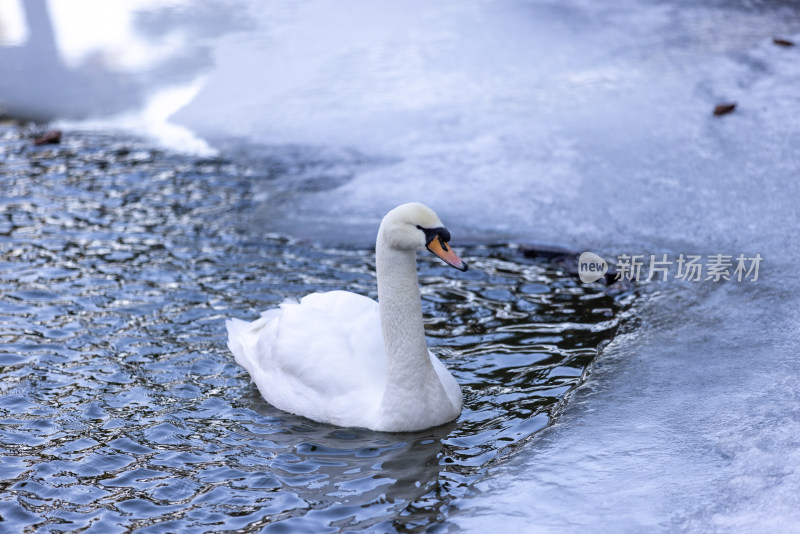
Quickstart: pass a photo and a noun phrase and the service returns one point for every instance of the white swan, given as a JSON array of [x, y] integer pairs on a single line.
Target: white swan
[[344, 359]]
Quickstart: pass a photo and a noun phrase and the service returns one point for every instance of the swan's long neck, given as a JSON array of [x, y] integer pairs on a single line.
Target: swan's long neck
[[401, 319]]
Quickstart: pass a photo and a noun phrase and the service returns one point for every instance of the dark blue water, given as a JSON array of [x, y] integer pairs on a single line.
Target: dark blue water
[[121, 408]]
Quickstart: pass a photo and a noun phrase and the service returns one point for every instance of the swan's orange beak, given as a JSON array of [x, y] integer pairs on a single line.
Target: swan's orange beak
[[440, 247]]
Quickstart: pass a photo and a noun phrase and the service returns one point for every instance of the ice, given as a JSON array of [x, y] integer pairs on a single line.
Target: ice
[[689, 422], [550, 122]]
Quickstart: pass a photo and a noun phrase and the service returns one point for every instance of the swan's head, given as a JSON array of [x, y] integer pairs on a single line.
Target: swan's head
[[415, 226]]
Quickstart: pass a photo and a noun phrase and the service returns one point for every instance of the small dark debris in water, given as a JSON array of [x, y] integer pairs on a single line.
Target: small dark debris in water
[[565, 258], [724, 109], [546, 253], [780, 41], [53, 137]]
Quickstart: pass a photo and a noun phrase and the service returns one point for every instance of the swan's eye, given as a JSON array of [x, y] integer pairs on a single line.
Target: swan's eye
[[432, 233]]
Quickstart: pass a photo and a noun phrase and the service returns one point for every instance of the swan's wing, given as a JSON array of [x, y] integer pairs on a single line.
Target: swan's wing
[[449, 383], [322, 357]]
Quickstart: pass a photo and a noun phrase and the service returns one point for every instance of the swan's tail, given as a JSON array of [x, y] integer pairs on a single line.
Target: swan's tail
[[236, 338], [243, 339]]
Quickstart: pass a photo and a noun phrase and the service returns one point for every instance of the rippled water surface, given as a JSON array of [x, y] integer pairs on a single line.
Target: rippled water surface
[[121, 407]]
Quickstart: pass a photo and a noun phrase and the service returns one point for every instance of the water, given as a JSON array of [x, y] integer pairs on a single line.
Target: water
[[121, 407], [576, 123]]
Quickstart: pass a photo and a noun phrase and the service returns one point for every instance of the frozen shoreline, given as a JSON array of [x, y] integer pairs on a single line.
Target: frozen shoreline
[[688, 421]]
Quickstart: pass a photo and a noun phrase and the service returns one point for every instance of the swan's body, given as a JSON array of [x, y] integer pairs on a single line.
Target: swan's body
[[344, 359]]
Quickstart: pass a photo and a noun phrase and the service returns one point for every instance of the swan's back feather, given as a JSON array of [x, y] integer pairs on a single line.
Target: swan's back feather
[[319, 357]]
